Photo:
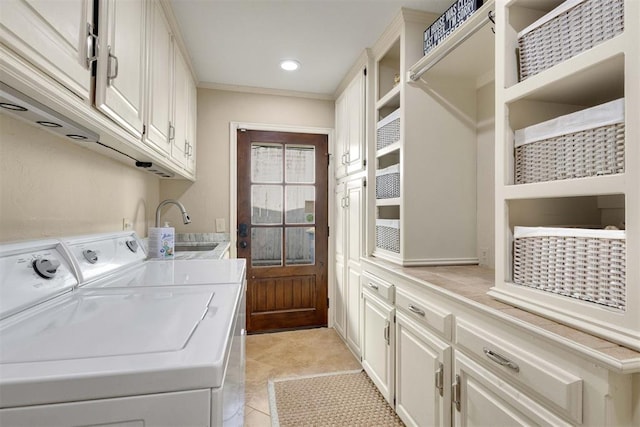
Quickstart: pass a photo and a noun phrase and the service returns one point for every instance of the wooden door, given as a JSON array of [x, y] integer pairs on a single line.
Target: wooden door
[[283, 228]]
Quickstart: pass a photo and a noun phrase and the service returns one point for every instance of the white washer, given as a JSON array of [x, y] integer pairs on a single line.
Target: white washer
[[88, 346]]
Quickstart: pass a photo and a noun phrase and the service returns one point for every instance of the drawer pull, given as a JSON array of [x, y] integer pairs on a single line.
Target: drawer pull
[[440, 379], [416, 310], [373, 286], [500, 359]]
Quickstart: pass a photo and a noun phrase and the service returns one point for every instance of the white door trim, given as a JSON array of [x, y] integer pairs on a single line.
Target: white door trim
[[233, 180]]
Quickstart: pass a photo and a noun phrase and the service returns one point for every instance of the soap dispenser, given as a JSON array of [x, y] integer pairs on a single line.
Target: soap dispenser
[[162, 241]]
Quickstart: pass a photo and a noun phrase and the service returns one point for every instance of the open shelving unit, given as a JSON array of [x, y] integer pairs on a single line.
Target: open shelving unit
[[606, 72], [444, 102]]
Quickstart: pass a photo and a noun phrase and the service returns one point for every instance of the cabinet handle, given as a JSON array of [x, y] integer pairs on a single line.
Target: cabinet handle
[[386, 332], [342, 202], [347, 157], [91, 43], [440, 379], [190, 150], [111, 57], [172, 132], [373, 286], [344, 159], [500, 359], [455, 390], [346, 202], [186, 148], [416, 310]]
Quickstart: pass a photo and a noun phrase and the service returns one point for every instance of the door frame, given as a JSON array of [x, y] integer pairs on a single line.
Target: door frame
[[233, 191]]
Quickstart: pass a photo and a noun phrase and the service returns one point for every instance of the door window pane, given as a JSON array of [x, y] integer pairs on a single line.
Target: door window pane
[[266, 204], [301, 245], [300, 167], [266, 246], [300, 204], [266, 163]]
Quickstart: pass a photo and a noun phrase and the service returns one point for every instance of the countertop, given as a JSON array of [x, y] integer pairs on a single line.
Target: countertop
[[200, 239], [469, 285]]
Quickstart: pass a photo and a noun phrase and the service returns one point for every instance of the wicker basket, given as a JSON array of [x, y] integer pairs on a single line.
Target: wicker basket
[[583, 144], [588, 265], [573, 27], [388, 235], [388, 182], [388, 130]]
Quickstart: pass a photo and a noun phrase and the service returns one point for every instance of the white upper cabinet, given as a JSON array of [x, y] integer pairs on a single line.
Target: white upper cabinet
[[54, 36], [192, 126], [350, 128], [120, 78], [159, 99], [179, 143]]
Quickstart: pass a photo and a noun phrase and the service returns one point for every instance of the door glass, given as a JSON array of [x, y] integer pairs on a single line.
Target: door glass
[[300, 167], [266, 204], [300, 204], [301, 244], [266, 246], [266, 163]]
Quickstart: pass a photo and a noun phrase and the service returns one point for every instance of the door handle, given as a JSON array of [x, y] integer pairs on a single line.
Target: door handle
[[243, 244]]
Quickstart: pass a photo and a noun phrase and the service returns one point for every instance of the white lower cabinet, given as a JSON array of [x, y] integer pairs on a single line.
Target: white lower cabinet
[[423, 375], [378, 347], [481, 398]]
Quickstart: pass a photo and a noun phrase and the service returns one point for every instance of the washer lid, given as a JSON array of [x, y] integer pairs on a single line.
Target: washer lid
[[101, 343], [177, 272], [107, 323]]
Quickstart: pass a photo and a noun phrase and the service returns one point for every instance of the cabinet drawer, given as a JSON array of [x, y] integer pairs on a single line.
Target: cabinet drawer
[[425, 313], [378, 287], [558, 388]]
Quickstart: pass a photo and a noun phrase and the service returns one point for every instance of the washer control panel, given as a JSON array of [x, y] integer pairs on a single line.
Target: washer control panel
[[33, 272], [99, 255]]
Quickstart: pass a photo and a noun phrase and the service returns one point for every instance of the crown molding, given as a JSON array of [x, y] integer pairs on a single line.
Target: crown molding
[[265, 91]]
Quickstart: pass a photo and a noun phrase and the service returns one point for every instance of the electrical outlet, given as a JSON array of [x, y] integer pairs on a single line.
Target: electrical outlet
[[127, 224], [220, 225], [484, 256]]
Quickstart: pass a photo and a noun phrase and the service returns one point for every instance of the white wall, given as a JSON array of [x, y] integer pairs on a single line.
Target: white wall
[[208, 198], [485, 184], [50, 186]]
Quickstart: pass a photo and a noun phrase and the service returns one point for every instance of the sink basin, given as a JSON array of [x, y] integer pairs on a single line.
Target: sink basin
[[197, 247]]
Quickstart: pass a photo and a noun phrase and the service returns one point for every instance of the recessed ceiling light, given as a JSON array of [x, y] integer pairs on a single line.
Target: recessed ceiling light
[[289, 65]]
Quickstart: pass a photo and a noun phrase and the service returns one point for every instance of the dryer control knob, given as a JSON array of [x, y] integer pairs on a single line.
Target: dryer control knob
[[132, 245], [90, 256], [46, 268]]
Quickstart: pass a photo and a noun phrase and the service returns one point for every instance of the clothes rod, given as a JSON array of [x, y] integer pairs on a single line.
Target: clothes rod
[[415, 76]]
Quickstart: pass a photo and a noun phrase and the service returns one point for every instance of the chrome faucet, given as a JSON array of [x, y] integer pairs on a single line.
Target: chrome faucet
[[185, 215]]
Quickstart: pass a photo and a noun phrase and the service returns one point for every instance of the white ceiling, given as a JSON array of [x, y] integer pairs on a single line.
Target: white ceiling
[[241, 42]]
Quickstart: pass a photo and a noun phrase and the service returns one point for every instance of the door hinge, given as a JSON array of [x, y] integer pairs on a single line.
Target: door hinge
[[364, 182], [328, 159], [365, 71], [144, 129], [364, 163], [328, 231], [455, 390], [440, 379], [327, 302]]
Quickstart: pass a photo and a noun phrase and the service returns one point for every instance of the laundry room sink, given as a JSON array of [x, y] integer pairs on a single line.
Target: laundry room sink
[[195, 247]]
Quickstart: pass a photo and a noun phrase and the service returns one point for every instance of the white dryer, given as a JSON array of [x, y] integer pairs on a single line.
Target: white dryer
[[82, 344]]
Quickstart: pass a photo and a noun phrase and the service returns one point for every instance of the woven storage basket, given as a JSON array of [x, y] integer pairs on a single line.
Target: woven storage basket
[[388, 182], [388, 130], [588, 265], [388, 235], [569, 29], [586, 143]]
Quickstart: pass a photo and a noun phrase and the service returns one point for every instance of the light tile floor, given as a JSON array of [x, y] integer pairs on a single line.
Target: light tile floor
[[289, 354]]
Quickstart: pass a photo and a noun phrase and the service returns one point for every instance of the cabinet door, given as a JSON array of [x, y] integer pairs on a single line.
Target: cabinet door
[[342, 133], [487, 400], [179, 143], [191, 125], [377, 343], [355, 149], [339, 300], [423, 375], [121, 72], [354, 233], [52, 35], [158, 108]]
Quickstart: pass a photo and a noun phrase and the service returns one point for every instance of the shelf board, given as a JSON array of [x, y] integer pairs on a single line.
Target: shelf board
[[388, 149], [590, 186], [388, 202], [594, 76], [389, 99], [467, 53]]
